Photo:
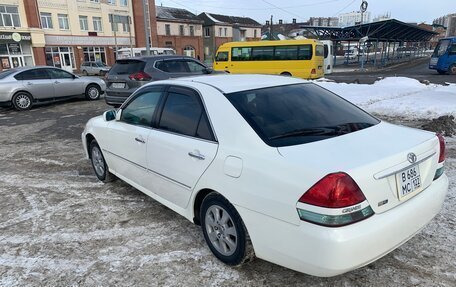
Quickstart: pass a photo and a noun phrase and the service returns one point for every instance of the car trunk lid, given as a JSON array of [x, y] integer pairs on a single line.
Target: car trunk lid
[[375, 158]]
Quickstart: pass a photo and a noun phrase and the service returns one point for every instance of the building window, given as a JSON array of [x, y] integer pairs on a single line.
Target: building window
[[226, 32], [63, 22], [60, 57], [83, 23], [46, 20], [169, 44], [112, 2], [220, 32], [255, 33], [94, 54], [9, 16], [207, 32], [126, 27], [97, 24], [242, 35], [95, 1], [181, 30], [192, 30], [123, 2], [167, 29]]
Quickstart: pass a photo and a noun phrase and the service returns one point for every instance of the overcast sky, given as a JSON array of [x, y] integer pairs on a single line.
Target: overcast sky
[[261, 10]]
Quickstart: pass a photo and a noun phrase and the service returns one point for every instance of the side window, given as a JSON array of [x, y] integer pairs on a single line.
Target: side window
[[37, 74], [262, 53], [222, 57], [241, 54], [452, 50], [59, 74], [286, 53], [195, 67], [305, 52], [184, 114], [141, 109], [172, 66]]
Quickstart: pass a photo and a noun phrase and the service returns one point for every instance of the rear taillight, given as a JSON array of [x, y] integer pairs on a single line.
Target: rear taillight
[[442, 148], [340, 201], [140, 76], [441, 169], [313, 72]]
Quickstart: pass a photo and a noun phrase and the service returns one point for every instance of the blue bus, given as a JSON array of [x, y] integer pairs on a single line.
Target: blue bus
[[444, 57]]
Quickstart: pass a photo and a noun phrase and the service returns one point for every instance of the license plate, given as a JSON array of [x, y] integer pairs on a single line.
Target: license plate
[[118, 85], [408, 181]]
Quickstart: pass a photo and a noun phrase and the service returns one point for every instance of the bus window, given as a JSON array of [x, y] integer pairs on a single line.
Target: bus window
[[305, 52], [262, 53], [452, 50], [221, 57], [286, 53], [319, 50], [241, 54], [326, 47]]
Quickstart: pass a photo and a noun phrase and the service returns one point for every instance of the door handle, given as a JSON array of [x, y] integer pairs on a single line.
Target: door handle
[[140, 140], [196, 154], [29, 83], [56, 82]]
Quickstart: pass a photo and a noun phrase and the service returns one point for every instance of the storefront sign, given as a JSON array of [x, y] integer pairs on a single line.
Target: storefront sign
[[16, 37]]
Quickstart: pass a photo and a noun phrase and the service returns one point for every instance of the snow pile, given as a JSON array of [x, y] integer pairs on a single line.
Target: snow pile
[[399, 96]]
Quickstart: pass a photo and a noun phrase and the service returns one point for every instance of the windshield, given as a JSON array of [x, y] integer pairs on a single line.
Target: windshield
[[297, 114], [127, 67], [441, 48]]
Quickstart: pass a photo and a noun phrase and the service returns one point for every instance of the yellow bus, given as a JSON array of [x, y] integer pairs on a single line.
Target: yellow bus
[[298, 58]]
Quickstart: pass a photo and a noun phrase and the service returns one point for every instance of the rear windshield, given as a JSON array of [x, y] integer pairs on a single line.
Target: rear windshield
[[298, 114], [127, 67], [6, 73]]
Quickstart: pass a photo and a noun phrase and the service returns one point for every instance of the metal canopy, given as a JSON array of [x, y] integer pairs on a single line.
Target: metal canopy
[[387, 30]]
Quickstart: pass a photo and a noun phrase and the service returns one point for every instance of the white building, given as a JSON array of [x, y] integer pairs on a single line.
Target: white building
[[354, 18]]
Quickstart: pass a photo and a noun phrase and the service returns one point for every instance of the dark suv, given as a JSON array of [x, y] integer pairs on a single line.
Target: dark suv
[[129, 74]]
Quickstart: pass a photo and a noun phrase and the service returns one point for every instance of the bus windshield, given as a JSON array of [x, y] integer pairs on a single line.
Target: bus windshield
[[441, 48]]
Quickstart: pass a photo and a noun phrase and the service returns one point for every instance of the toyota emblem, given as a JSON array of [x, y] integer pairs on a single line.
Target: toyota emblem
[[411, 157]]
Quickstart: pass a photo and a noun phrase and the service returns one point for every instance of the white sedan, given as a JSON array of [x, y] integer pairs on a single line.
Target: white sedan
[[274, 167]]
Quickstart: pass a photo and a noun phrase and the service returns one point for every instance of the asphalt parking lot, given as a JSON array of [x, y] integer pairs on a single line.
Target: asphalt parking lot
[[60, 226]]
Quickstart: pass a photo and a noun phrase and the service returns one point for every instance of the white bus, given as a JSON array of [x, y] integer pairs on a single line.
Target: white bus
[[329, 56], [139, 52]]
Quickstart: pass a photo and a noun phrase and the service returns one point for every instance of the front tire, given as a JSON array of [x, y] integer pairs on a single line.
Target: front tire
[[22, 101], [100, 167], [452, 69], [92, 92], [224, 231]]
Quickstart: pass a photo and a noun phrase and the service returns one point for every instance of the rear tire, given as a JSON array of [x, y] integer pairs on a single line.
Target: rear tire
[[224, 231], [286, 74], [100, 167], [452, 69], [22, 101], [92, 92]]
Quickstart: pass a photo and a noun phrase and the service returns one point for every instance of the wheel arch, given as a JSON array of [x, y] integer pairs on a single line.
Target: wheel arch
[[198, 201], [89, 138], [21, 91]]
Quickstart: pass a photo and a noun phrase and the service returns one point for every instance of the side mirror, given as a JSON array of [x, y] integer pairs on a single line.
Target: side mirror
[[109, 115], [208, 71]]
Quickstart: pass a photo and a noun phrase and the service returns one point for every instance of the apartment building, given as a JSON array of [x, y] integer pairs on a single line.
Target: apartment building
[[84, 30], [354, 18], [219, 29], [21, 39], [181, 30]]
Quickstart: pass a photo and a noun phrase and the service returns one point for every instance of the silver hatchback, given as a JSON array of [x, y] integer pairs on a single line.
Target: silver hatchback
[[94, 68], [26, 86]]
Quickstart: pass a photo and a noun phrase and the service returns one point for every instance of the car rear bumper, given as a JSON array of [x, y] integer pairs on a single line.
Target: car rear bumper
[[117, 97], [323, 251]]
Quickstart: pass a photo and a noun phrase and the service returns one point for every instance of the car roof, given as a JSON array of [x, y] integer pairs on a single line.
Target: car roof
[[235, 83], [158, 57]]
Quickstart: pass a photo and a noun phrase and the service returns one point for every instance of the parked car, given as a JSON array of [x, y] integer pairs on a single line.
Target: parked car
[[94, 68], [274, 167], [126, 75], [23, 87]]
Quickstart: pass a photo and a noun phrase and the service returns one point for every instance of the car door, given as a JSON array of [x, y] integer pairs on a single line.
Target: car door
[[38, 83], [66, 84], [126, 139], [181, 147]]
